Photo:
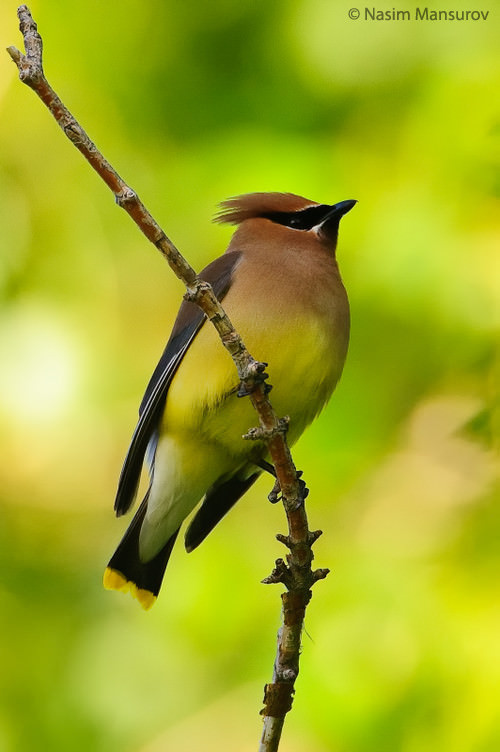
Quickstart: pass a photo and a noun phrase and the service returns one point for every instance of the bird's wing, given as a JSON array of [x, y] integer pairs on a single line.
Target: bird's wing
[[218, 501], [188, 323]]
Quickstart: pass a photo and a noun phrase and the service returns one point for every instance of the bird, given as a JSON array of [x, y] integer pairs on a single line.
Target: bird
[[280, 285]]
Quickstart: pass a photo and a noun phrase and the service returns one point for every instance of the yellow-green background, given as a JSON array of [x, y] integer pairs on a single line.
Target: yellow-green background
[[193, 102]]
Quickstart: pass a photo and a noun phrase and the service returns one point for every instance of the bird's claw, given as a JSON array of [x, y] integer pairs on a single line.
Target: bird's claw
[[256, 375]]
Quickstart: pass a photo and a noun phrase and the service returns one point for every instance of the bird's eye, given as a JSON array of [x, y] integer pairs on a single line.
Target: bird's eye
[[304, 219]]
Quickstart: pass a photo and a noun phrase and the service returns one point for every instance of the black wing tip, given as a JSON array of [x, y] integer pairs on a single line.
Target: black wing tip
[[121, 505], [217, 502]]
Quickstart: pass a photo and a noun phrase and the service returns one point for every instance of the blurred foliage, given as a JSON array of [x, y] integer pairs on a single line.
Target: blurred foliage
[[192, 103]]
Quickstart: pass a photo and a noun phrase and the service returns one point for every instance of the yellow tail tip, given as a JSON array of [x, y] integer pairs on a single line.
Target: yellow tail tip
[[114, 580]]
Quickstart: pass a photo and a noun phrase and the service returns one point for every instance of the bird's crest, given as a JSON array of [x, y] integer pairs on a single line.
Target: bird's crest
[[237, 209]]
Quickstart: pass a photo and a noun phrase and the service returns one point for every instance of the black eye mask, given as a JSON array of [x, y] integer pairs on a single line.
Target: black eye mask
[[305, 219]]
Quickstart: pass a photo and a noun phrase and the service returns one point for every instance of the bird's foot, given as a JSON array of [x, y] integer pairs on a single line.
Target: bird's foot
[[256, 375], [276, 495]]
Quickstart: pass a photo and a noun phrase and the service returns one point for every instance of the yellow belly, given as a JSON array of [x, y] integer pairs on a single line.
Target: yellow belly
[[305, 361]]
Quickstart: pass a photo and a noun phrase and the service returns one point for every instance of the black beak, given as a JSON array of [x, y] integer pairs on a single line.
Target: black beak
[[329, 226]]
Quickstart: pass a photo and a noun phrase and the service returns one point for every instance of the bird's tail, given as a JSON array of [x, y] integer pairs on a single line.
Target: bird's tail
[[127, 573]]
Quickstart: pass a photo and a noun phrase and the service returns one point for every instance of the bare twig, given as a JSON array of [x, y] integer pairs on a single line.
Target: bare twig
[[297, 574]]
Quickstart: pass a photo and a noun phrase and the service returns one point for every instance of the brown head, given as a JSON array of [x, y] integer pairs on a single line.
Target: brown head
[[286, 210]]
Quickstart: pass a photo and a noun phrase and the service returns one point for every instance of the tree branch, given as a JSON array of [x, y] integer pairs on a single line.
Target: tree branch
[[296, 574]]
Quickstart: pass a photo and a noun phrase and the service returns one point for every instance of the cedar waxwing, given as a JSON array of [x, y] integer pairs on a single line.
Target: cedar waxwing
[[281, 288]]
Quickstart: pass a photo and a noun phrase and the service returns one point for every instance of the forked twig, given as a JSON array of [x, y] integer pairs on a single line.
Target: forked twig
[[296, 574]]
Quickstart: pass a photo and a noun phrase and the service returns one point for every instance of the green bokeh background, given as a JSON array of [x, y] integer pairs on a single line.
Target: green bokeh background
[[192, 103]]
